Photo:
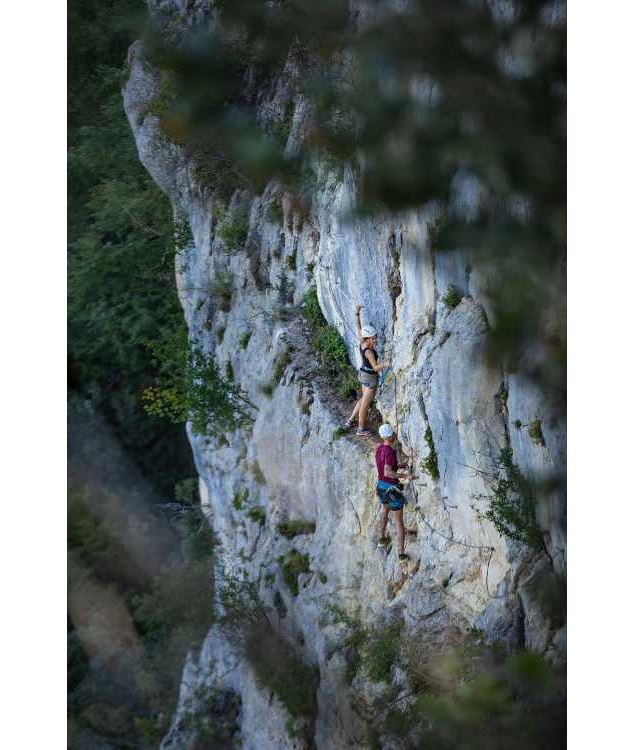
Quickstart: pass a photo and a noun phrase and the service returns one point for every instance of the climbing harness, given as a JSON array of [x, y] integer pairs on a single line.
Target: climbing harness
[[390, 494]]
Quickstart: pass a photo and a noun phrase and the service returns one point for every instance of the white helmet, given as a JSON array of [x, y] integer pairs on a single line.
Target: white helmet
[[386, 431], [368, 331]]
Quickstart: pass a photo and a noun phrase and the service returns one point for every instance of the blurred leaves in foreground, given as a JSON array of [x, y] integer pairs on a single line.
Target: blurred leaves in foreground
[[455, 107], [140, 592]]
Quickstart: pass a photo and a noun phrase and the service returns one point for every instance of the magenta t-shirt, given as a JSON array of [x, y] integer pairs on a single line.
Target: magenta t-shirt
[[385, 455]]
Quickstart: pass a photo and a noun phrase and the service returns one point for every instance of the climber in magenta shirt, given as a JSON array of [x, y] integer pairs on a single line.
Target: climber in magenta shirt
[[389, 490], [385, 456]]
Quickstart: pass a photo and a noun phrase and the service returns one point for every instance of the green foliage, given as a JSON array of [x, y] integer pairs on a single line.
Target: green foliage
[[200, 540], [178, 596], [452, 297], [219, 211], [311, 310], [279, 669], [235, 230], [186, 491], [356, 639], [291, 262], [244, 339], [339, 432], [222, 290], [381, 652], [171, 610], [535, 432], [512, 504], [280, 129], [329, 346], [267, 389], [188, 385], [290, 529], [96, 540], [430, 463], [511, 141], [348, 383], [274, 661], [514, 704], [182, 236], [258, 515], [209, 716], [282, 361], [275, 212], [121, 289], [293, 564], [257, 473], [240, 499]]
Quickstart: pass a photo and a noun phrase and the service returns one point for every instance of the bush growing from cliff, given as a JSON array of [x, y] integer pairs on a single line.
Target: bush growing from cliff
[[222, 290], [430, 463], [235, 230], [512, 504], [381, 652], [275, 212], [244, 339], [258, 514], [293, 564], [290, 529], [182, 236], [452, 297], [535, 432], [189, 386], [330, 346], [275, 661]]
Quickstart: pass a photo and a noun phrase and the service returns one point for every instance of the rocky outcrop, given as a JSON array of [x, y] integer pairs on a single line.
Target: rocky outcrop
[[462, 574]]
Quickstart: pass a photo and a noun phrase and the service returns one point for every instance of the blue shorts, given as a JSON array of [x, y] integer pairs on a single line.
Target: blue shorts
[[390, 494]]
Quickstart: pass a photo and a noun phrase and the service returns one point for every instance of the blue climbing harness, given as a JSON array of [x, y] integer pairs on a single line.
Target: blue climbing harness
[[390, 494]]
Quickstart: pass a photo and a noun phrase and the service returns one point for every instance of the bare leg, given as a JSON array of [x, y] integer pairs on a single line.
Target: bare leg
[[355, 410], [383, 521], [368, 394], [401, 533]]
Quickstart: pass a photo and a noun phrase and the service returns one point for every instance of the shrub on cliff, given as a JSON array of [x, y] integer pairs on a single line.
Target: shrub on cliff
[[189, 386], [276, 662], [329, 345], [512, 504], [234, 231]]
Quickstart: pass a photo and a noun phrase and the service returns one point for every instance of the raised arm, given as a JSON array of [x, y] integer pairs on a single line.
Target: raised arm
[[358, 321]]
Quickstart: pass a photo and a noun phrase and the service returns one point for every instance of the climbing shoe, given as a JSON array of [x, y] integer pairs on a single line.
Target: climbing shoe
[[403, 559], [384, 541], [363, 433], [347, 426]]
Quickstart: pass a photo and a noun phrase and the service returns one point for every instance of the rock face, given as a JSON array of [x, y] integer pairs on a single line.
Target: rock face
[[462, 574]]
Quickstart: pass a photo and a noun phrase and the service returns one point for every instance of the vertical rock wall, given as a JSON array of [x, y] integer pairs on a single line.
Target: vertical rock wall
[[462, 573]]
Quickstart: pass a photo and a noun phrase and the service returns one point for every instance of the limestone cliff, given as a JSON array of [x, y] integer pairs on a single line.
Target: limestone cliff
[[462, 574]]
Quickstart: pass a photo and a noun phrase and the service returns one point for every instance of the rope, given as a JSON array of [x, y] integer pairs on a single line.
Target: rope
[[458, 542], [333, 297], [396, 411]]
